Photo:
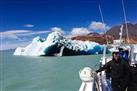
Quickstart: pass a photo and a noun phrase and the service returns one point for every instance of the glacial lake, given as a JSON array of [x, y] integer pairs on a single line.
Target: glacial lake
[[20, 73]]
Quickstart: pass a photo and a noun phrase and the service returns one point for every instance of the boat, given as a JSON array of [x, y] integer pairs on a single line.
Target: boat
[[92, 81]]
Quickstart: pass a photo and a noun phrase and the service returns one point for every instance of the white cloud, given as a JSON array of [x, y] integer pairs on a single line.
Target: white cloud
[[28, 25], [98, 26], [94, 26], [12, 33], [33, 33], [15, 34], [7, 46], [14, 38], [79, 31], [57, 29]]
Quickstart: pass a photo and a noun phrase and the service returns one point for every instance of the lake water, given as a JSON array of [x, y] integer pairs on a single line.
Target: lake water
[[19, 73]]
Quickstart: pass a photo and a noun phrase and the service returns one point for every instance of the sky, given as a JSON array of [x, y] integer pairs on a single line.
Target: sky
[[22, 20]]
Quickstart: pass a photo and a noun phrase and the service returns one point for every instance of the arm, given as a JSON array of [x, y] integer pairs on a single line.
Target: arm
[[106, 66]]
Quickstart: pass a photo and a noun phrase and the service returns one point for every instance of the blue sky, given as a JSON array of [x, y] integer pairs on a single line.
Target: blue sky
[[39, 17]]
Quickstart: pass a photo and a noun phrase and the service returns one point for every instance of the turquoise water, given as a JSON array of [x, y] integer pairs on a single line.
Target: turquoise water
[[19, 73]]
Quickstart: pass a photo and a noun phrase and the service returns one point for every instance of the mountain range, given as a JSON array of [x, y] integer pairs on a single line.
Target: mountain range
[[111, 34]]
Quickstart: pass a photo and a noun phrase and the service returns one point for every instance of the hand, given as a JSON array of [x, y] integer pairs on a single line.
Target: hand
[[97, 71]]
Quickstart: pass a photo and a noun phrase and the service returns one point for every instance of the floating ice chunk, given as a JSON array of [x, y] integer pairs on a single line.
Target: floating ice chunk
[[54, 43]]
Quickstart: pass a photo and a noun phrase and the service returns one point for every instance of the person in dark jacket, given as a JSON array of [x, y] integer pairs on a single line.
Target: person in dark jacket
[[119, 72], [132, 86]]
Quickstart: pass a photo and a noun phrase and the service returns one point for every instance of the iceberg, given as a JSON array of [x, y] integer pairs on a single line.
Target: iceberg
[[58, 45]]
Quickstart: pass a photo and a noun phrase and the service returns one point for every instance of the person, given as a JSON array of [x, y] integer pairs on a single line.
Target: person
[[119, 72], [126, 57], [132, 86], [121, 53]]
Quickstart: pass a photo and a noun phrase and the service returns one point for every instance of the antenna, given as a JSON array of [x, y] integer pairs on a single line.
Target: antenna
[[103, 23], [124, 12]]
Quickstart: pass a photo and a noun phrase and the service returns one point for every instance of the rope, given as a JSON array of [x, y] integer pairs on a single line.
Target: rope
[[124, 12], [103, 23]]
